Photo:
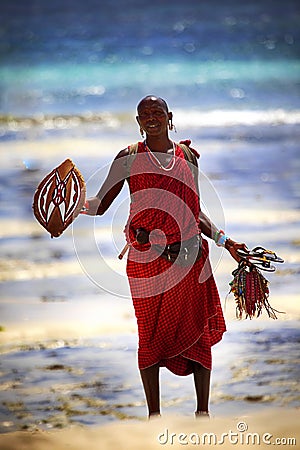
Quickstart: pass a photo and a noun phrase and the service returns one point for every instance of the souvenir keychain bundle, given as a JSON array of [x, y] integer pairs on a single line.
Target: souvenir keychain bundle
[[249, 286]]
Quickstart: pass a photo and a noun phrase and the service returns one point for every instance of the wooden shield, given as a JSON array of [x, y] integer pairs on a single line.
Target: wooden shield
[[59, 198]]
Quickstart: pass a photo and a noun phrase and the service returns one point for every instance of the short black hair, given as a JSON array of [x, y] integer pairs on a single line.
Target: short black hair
[[154, 98]]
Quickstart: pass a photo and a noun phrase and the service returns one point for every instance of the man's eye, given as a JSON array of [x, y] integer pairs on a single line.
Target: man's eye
[[144, 116]]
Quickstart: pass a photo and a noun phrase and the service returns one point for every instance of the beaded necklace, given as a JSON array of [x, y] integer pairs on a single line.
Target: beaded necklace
[[157, 162]]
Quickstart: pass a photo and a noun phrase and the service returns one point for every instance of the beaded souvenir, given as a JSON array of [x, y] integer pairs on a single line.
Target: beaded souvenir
[[249, 287]]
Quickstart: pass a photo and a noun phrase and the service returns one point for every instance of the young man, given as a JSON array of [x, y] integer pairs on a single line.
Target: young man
[[176, 301]]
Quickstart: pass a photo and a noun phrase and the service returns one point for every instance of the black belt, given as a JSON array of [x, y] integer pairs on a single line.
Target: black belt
[[184, 253]]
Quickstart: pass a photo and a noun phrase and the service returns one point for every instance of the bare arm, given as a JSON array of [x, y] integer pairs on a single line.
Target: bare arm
[[111, 187], [210, 229], [207, 226]]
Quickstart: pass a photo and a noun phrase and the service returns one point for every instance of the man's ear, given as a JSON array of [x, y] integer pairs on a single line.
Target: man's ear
[[138, 120]]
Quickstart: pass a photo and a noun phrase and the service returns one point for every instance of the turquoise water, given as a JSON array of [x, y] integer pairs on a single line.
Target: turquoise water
[[85, 57], [230, 72]]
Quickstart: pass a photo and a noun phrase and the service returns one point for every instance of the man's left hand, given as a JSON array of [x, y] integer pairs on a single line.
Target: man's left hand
[[233, 246]]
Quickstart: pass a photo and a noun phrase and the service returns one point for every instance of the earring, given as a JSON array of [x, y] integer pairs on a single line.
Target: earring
[[142, 132], [171, 126]]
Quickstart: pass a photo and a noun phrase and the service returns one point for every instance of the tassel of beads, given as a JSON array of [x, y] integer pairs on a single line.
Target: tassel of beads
[[251, 292]]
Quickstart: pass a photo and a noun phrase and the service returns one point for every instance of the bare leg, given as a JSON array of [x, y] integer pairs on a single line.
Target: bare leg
[[202, 387], [150, 379]]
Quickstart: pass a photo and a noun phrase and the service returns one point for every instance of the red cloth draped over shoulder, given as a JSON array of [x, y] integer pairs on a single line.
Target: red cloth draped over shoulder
[[162, 200], [178, 309]]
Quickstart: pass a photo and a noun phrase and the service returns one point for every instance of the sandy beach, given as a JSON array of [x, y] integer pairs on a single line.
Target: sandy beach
[[68, 370], [252, 431]]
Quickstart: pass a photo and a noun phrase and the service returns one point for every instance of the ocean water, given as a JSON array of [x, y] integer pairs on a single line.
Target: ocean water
[[66, 64], [230, 72]]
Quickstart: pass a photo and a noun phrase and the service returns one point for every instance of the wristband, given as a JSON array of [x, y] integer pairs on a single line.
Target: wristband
[[217, 235], [220, 238], [85, 208]]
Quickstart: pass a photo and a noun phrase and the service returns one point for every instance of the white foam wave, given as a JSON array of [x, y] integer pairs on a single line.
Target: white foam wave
[[227, 118], [182, 118]]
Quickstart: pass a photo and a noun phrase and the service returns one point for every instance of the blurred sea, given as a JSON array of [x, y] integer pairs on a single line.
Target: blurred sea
[[66, 64], [230, 72], [71, 75]]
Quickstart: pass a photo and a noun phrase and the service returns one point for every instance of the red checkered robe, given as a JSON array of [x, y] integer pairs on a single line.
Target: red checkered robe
[[178, 309]]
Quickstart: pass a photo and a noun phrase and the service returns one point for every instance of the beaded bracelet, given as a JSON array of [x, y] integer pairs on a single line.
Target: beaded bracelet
[[220, 238], [216, 236]]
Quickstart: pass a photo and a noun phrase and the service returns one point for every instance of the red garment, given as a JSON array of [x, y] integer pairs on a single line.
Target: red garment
[[178, 309]]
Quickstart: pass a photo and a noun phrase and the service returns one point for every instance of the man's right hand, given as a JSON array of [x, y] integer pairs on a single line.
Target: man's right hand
[[91, 206]]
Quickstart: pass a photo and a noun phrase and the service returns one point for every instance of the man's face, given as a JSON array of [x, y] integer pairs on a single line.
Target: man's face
[[153, 117]]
